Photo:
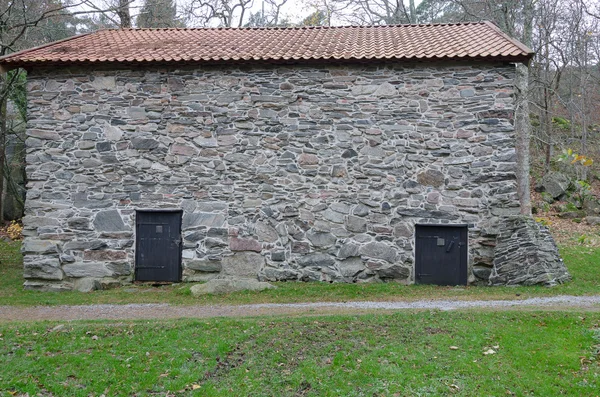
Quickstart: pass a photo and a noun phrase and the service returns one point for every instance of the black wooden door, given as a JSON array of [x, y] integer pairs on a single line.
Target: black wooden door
[[441, 254], [158, 246]]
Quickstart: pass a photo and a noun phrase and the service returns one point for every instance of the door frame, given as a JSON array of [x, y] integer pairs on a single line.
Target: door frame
[[135, 247], [463, 250]]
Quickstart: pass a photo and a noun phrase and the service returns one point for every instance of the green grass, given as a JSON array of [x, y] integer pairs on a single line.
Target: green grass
[[582, 262], [402, 354]]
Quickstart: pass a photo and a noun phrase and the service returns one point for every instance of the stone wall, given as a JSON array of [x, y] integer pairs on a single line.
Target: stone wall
[[283, 173]]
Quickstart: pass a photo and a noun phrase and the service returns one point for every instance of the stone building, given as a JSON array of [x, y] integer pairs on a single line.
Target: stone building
[[336, 154]]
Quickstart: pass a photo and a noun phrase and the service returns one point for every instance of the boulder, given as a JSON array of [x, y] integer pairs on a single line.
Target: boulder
[[572, 215], [554, 183], [592, 207], [225, 286], [592, 220]]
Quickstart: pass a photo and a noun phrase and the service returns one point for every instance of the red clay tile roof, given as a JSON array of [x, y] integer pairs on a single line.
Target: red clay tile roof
[[481, 40]]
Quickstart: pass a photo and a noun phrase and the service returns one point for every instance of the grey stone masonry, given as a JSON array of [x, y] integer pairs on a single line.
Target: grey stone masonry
[[526, 254], [282, 172]]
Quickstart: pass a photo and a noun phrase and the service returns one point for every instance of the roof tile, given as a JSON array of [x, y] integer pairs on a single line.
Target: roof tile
[[481, 40]]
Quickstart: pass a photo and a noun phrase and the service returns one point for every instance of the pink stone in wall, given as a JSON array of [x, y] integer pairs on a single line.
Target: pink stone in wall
[[244, 244], [433, 197], [183, 150], [104, 255], [308, 159]]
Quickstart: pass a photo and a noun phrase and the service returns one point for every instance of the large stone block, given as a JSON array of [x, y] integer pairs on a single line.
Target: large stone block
[[204, 265], [109, 221], [86, 269], [317, 259], [264, 232], [242, 264], [39, 247], [45, 268], [351, 267], [84, 245], [321, 239], [208, 219], [379, 251], [395, 272]]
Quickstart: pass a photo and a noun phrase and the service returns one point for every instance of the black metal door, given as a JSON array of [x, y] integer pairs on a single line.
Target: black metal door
[[158, 246], [441, 254]]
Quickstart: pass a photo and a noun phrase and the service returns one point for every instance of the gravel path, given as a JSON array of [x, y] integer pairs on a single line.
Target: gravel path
[[154, 311]]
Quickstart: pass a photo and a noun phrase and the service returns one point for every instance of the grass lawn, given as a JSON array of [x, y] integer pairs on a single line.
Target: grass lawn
[[403, 354], [582, 262]]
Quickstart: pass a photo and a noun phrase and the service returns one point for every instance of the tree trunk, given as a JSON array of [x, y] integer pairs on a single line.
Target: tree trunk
[[523, 132], [123, 13], [413, 11], [3, 128]]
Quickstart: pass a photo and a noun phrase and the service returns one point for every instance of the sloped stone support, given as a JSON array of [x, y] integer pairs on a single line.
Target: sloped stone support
[[526, 254]]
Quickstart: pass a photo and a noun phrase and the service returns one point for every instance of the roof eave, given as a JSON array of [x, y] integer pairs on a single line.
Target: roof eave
[[35, 64]]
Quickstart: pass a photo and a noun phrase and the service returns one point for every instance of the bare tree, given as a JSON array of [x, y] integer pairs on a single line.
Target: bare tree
[[378, 12], [269, 15], [108, 14], [225, 13]]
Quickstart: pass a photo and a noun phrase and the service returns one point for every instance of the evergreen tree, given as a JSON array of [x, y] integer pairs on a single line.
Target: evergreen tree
[[158, 14]]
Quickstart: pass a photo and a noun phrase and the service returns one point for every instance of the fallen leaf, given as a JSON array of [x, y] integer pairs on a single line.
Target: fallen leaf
[[489, 351], [195, 386], [95, 337], [453, 347]]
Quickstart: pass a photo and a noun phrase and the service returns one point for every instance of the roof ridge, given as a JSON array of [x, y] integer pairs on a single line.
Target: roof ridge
[[309, 27]]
